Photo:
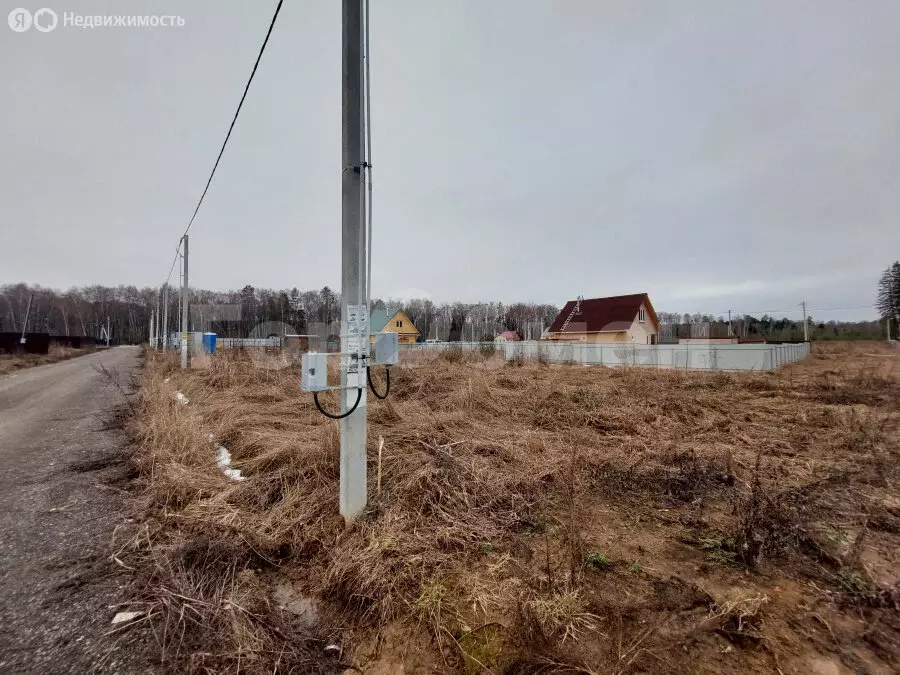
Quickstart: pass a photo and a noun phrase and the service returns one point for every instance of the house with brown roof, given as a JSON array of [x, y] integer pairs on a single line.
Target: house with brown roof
[[622, 318]]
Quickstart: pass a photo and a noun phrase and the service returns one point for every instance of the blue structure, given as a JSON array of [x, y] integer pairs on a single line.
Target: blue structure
[[209, 343]]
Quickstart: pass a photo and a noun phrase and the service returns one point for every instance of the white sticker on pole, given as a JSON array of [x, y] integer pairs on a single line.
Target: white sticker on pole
[[357, 333]]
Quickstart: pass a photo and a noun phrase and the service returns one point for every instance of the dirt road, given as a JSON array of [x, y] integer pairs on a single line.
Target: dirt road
[[62, 476]]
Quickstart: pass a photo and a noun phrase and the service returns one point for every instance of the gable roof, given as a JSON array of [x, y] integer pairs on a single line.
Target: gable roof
[[510, 335], [603, 314], [381, 317]]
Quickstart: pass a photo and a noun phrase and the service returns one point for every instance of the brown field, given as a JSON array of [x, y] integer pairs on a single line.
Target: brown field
[[531, 518], [12, 362]]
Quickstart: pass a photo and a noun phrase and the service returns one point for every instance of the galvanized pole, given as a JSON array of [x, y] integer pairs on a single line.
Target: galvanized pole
[[354, 320], [151, 328], [805, 324], [107, 331], [184, 306], [165, 340]]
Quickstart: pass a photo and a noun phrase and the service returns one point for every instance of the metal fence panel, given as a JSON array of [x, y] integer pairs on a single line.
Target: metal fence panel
[[686, 357]]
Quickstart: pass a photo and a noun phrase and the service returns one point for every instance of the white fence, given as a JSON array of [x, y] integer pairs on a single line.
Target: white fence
[[692, 357], [235, 343]]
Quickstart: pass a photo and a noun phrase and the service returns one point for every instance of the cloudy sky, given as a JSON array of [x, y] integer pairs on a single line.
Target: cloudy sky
[[717, 155]]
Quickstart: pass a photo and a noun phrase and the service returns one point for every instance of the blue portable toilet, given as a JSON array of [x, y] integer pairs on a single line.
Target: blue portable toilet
[[209, 343]]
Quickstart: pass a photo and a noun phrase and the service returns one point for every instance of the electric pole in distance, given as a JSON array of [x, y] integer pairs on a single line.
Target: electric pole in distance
[[354, 310], [805, 324], [165, 336], [184, 307]]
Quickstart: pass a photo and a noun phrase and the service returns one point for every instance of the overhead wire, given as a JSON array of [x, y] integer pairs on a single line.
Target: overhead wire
[[798, 308], [237, 112], [834, 309]]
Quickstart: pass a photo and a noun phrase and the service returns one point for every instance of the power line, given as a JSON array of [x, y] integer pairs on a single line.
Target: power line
[[225, 142], [739, 313], [236, 113], [834, 309], [174, 260]]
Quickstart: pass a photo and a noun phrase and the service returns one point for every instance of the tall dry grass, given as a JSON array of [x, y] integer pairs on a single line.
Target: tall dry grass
[[492, 477], [12, 362]]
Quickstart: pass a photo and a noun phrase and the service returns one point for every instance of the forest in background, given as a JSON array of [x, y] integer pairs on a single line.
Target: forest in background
[[82, 311]]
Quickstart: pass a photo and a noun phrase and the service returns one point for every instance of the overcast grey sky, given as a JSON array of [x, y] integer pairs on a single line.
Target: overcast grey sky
[[715, 154]]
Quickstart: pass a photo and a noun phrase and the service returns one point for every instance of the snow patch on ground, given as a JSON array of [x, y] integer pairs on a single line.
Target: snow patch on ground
[[224, 462]]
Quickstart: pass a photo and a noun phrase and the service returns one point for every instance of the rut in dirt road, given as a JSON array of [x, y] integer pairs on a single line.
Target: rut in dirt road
[[61, 479]]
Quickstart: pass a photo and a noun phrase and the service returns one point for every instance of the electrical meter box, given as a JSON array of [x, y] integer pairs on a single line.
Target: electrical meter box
[[314, 374], [386, 349]]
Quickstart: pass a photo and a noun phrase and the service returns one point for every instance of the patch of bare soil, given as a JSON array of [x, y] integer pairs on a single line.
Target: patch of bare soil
[[531, 518]]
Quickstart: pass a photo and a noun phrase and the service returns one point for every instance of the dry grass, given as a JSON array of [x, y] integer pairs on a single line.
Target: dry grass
[[12, 362], [497, 481]]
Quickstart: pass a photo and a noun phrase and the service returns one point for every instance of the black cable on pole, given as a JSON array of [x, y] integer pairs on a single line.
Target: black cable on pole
[[387, 376], [174, 261], [236, 113], [337, 417]]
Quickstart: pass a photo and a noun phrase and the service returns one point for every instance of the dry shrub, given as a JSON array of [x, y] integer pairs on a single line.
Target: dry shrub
[[739, 620], [559, 616]]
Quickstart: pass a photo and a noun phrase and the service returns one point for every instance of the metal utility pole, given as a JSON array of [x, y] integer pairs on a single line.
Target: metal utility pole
[[354, 311], [184, 306], [107, 331], [156, 331], [165, 341], [151, 327], [805, 324]]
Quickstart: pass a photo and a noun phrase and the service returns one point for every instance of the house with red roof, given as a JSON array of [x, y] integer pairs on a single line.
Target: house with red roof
[[618, 319], [507, 336]]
